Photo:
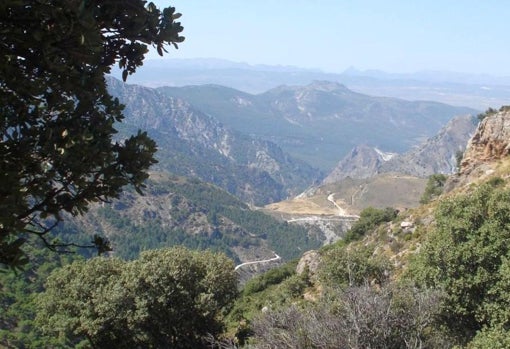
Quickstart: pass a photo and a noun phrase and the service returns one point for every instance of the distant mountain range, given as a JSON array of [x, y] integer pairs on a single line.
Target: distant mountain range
[[320, 122], [476, 91], [260, 148]]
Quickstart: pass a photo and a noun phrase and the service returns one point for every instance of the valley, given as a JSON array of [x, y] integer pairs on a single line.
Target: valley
[[149, 199], [288, 228], [257, 148]]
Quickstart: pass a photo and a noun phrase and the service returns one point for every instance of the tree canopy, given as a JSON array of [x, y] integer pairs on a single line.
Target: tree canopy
[[169, 298], [57, 120]]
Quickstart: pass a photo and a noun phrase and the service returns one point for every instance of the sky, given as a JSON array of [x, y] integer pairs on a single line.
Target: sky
[[397, 36]]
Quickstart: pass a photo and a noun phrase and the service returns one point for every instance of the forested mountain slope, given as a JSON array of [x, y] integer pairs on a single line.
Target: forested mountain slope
[[179, 211]]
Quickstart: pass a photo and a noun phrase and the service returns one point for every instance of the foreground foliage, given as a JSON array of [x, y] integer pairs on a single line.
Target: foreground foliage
[[18, 296], [468, 256], [356, 318], [57, 151], [171, 298]]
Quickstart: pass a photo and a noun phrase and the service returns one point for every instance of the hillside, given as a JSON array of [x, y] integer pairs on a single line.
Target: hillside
[[438, 154], [435, 276], [193, 143], [322, 121], [179, 211], [368, 177]]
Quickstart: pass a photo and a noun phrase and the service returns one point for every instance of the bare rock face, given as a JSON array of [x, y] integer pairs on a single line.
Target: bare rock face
[[491, 140], [490, 143], [438, 154], [309, 262]]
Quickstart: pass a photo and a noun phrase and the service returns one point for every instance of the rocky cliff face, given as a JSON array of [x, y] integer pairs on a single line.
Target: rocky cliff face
[[437, 155], [491, 140], [489, 144]]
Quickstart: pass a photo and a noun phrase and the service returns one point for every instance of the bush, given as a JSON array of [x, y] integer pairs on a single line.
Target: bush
[[355, 266], [166, 298], [369, 219], [360, 317], [434, 188], [468, 256]]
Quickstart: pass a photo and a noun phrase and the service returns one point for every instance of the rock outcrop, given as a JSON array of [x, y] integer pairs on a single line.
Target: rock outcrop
[[491, 140], [362, 162], [489, 144], [439, 153], [309, 263]]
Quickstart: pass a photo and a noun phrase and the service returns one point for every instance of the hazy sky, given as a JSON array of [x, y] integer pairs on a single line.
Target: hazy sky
[[392, 35]]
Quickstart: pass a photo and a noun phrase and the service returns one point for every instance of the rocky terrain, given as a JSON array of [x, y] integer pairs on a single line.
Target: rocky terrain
[[487, 151], [486, 158], [438, 154], [369, 177]]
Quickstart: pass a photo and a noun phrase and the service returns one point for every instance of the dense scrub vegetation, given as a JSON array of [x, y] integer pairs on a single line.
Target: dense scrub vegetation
[[467, 255], [168, 298]]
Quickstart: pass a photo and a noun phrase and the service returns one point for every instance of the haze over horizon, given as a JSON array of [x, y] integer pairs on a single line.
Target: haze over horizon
[[394, 36]]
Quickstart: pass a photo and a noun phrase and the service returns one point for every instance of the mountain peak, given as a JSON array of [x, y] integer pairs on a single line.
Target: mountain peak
[[362, 162], [327, 86]]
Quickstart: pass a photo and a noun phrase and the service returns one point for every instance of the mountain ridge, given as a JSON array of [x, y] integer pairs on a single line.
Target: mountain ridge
[[438, 154], [320, 122], [478, 92], [193, 143]]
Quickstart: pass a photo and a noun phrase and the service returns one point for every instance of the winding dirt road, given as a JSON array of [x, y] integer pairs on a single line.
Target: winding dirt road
[[276, 258]]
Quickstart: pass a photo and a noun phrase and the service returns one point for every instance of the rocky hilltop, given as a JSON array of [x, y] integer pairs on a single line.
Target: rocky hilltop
[[491, 140], [438, 154], [362, 162], [489, 145]]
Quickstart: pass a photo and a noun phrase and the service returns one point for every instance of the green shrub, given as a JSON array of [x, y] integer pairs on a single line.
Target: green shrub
[[354, 266], [434, 188], [468, 256], [368, 220]]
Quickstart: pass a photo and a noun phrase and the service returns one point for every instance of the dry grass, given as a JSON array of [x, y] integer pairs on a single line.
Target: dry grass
[[388, 190], [304, 206]]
